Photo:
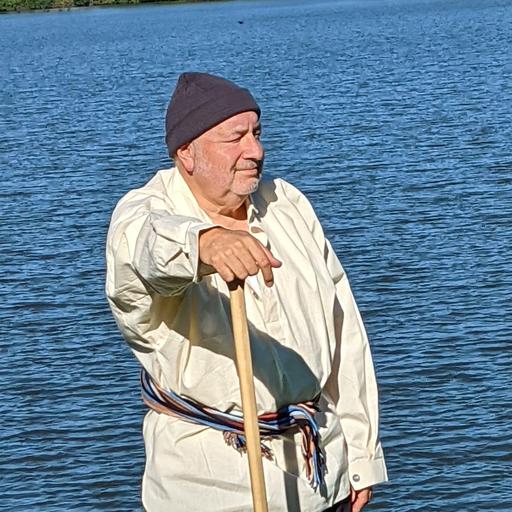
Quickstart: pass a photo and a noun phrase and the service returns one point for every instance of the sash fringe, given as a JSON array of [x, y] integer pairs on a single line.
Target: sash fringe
[[295, 416]]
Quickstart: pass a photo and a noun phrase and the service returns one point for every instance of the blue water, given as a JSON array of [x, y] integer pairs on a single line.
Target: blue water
[[395, 117]]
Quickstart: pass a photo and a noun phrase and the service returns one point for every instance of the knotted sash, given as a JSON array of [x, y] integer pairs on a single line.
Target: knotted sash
[[296, 416]]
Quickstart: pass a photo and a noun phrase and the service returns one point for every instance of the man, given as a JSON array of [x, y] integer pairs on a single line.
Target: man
[[173, 246]]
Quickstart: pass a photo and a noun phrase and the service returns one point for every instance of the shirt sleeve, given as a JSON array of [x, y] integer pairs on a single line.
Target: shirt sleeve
[[147, 241], [353, 385]]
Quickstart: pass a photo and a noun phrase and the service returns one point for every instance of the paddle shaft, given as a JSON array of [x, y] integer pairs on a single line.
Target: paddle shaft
[[245, 374]]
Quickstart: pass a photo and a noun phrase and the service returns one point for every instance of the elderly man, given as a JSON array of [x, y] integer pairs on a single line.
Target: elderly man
[[173, 246]]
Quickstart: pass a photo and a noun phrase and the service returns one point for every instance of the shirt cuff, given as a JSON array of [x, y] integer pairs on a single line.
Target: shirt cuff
[[365, 473], [192, 248]]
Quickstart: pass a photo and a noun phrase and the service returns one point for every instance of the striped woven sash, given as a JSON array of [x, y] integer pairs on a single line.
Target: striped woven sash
[[296, 416]]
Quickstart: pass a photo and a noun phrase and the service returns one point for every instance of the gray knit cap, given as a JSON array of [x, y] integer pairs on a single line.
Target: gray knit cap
[[199, 102]]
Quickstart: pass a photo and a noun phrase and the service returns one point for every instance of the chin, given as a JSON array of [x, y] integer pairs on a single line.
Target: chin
[[249, 187]]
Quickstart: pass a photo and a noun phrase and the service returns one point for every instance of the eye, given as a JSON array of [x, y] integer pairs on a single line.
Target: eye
[[235, 139]]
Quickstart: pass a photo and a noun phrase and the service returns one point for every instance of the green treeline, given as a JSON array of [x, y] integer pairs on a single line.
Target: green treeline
[[29, 5]]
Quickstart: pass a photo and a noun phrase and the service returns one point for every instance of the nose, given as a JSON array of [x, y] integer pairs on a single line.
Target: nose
[[253, 149]]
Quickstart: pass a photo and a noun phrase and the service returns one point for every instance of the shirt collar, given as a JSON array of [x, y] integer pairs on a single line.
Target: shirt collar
[[253, 212], [179, 192]]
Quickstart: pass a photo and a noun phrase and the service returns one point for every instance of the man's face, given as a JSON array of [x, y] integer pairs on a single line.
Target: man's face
[[228, 158]]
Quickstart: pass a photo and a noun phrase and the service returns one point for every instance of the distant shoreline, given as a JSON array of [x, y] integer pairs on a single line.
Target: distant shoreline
[[24, 6]]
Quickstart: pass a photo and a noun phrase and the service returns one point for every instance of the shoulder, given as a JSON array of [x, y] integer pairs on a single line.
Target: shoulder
[[283, 192], [279, 190], [281, 197], [156, 186], [155, 190]]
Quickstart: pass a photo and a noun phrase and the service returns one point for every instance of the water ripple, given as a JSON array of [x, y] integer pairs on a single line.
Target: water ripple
[[394, 117]]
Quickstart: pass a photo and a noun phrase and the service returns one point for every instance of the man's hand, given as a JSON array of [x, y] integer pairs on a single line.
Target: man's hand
[[236, 255], [359, 499]]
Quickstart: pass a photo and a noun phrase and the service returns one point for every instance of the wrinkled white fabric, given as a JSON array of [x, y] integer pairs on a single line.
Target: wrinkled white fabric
[[307, 339]]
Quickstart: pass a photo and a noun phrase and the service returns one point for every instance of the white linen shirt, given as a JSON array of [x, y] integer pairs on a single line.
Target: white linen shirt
[[307, 338]]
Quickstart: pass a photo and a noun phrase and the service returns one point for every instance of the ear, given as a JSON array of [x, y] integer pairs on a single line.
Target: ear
[[186, 155]]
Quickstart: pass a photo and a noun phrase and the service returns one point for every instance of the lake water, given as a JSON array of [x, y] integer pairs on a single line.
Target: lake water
[[395, 117]]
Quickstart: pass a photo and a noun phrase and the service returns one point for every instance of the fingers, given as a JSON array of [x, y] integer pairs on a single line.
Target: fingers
[[360, 499], [275, 263], [236, 255], [225, 272], [264, 261], [241, 266]]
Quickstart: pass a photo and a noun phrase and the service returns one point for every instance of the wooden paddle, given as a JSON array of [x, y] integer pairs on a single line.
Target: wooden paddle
[[245, 374]]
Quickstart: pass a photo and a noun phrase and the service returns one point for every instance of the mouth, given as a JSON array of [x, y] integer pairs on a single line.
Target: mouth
[[255, 170]]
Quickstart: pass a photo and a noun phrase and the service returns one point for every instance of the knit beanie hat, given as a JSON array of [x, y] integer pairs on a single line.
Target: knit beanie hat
[[199, 102]]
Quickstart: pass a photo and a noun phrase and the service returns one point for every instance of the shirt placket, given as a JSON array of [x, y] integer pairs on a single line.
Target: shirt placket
[[265, 298]]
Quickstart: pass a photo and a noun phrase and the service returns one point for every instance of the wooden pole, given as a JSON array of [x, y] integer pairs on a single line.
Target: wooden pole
[[245, 374]]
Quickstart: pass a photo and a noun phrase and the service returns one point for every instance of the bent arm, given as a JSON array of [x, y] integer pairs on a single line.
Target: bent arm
[[166, 252], [146, 241]]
